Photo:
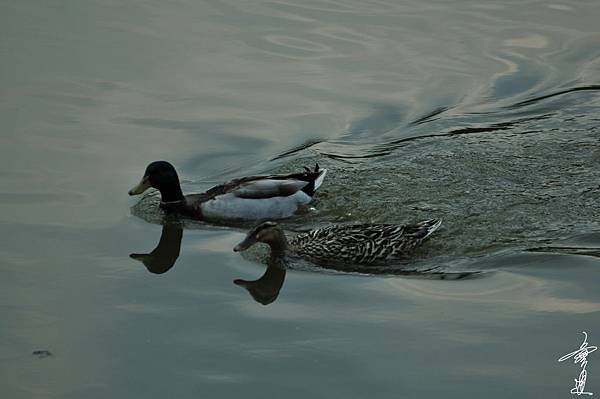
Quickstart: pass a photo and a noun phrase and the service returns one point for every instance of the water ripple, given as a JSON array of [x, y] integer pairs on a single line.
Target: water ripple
[[559, 93]]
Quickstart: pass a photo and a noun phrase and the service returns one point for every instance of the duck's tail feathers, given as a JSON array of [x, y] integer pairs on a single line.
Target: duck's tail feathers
[[430, 226], [314, 178], [320, 178]]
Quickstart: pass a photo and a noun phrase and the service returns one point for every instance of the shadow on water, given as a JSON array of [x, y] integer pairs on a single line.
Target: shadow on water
[[164, 256], [265, 290]]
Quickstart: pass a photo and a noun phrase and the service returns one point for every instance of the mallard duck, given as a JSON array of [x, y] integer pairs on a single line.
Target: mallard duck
[[361, 244], [246, 198]]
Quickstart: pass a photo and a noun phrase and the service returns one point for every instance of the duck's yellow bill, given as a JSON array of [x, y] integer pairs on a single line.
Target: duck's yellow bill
[[140, 187]]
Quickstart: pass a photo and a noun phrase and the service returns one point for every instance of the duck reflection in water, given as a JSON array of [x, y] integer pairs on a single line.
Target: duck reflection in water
[[164, 256], [266, 289]]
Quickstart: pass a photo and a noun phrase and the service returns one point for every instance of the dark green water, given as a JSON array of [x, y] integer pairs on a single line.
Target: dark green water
[[482, 114]]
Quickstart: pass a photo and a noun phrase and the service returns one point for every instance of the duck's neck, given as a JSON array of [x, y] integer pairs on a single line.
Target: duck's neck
[[171, 192], [278, 244]]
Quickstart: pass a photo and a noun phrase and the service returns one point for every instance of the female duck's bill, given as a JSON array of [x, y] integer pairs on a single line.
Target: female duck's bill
[[264, 232], [244, 245]]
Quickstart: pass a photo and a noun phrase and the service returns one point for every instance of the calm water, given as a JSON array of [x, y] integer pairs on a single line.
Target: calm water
[[483, 114]]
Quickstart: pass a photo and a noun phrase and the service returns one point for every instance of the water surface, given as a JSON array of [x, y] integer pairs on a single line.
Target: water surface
[[484, 115]]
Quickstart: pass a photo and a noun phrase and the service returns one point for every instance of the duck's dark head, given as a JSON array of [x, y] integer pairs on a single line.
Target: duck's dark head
[[162, 176], [269, 233]]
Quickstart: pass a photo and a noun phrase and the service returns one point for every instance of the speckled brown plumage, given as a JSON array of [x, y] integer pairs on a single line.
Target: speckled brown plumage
[[362, 243], [349, 244]]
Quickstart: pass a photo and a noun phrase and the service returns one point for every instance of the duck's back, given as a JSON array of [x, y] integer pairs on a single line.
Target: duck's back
[[362, 243], [260, 197]]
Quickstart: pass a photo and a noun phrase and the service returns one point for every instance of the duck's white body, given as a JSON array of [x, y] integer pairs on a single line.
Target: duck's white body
[[230, 206]]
